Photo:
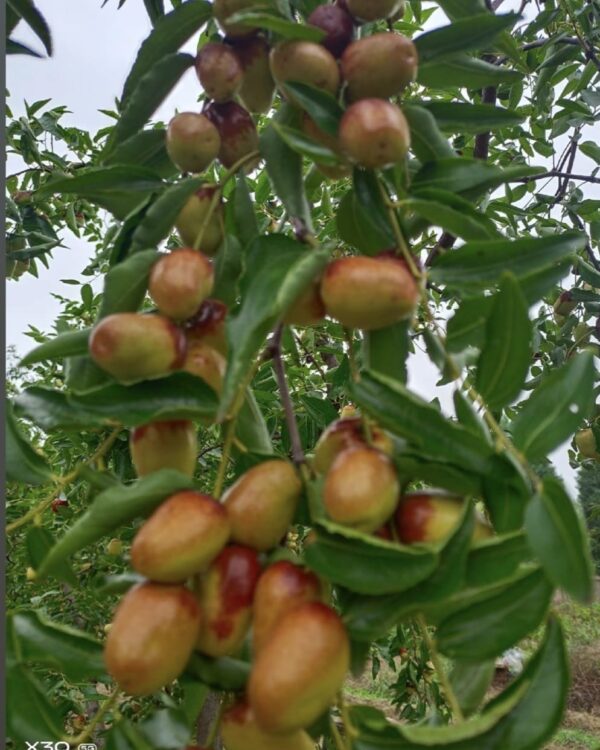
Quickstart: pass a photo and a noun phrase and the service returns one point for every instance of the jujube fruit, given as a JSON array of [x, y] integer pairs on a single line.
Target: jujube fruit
[[344, 433], [431, 516], [132, 346], [182, 537], [299, 671], [193, 142], [192, 219], [381, 66], [258, 86], [374, 134], [207, 325], [304, 62], [114, 547], [333, 171], [261, 504], [338, 25], [361, 489], [226, 593], [281, 588], [586, 444], [223, 9], [373, 10], [308, 309], [206, 363], [565, 304], [180, 282], [240, 731], [238, 134], [219, 71], [369, 293], [169, 444], [152, 637]]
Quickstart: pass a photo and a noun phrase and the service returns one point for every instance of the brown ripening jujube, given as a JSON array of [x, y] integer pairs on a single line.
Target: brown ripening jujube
[[347, 432], [207, 326], [219, 71], [258, 86], [239, 138]]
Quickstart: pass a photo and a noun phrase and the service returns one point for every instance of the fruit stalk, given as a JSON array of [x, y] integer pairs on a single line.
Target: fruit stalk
[[95, 720]]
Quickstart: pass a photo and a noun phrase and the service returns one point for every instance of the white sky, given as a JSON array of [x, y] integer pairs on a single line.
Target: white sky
[[94, 50]]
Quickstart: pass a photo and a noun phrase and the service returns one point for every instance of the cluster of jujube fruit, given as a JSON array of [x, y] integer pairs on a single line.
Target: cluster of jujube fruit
[[211, 579]]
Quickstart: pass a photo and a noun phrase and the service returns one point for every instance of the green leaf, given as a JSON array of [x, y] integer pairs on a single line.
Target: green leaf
[[471, 177], [119, 583], [356, 229], [279, 269], [506, 492], [487, 628], [496, 558], [38, 542], [464, 71], [470, 683], [560, 541], [506, 722], [251, 429], [477, 265], [284, 167], [35, 20], [146, 149], [506, 356], [178, 396], [36, 640], [463, 117], [228, 267], [322, 107], [386, 350], [160, 218], [167, 729], [556, 408], [111, 509], [366, 564], [467, 326], [40, 719], [474, 33], [370, 199], [64, 345], [244, 215], [17, 48], [452, 213], [395, 408], [149, 94], [281, 26], [305, 146], [23, 463], [427, 140], [120, 189], [224, 673], [591, 149], [168, 35], [125, 284]]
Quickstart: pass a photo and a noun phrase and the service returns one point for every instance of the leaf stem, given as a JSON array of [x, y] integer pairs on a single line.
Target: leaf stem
[[286, 400], [96, 719], [441, 672]]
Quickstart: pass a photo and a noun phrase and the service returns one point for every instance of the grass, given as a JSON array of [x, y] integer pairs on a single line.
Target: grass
[[575, 739]]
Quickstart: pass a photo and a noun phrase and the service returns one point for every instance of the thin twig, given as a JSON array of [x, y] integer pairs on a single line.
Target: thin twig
[[441, 672]]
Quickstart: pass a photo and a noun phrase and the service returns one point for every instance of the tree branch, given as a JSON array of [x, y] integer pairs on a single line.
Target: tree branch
[[284, 393]]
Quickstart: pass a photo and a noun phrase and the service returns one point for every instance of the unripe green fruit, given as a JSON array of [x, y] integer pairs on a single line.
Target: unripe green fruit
[[164, 445], [240, 731], [281, 588], [152, 637], [431, 516], [312, 130], [369, 293], [299, 671], [308, 309], [373, 10], [361, 489], [380, 66], [193, 142], [192, 220], [374, 134], [586, 444], [258, 86], [238, 134], [206, 363], [304, 62], [207, 326], [180, 282], [181, 538], [223, 9], [226, 594], [262, 503], [345, 433], [114, 547], [565, 304], [132, 347], [338, 25], [219, 71]]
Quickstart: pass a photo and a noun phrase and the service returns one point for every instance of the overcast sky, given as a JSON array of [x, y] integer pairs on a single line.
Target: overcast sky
[[94, 50]]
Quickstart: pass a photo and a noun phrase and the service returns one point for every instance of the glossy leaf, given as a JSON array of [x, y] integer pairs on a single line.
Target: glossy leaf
[[560, 540], [146, 149], [111, 509], [464, 71], [38, 542], [506, 354], [386, 350], [320, 105], [221, 674], [556, 408], [64, 345], [279, 269], [427, 141], [23, 463], [356, 229], [125, 284], [462, 117], [470, 683], [41, 719], [34, 19], [506, 492], [281, 26], [496, 559]]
